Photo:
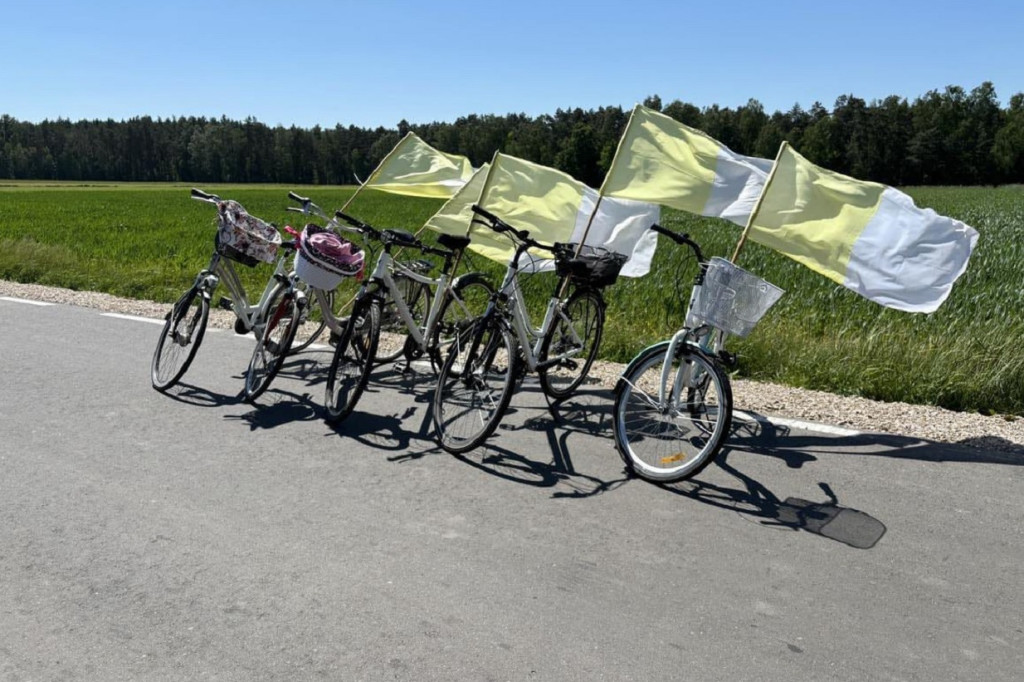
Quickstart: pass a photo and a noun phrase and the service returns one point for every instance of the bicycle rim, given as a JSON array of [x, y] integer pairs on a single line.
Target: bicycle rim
[[179, 340], [352, 362], [472, 396], [576, 335], [273, 344], [674, 439]]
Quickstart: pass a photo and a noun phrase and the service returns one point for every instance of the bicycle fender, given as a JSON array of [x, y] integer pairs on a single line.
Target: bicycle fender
[[660, 346], [471, 277]]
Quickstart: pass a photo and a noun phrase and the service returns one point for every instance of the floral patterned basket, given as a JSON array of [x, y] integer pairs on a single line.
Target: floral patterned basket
[[243, 237]]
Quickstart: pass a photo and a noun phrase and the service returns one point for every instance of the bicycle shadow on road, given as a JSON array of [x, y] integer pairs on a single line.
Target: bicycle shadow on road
[[761, 436], [586, 413], [198, 396], [827, 518], [753, 500], [275, 408]]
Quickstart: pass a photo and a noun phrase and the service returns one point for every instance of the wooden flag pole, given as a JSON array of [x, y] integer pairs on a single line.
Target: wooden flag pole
[[376, 171], [757, 206]]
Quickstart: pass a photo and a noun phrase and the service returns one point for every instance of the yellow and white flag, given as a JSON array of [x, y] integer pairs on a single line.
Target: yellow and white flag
[[414, 168], [456, 213], [868, 237], [553, 207], [662, 161]]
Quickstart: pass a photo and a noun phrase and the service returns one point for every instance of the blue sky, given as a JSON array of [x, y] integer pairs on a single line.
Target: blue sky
[[314, 62]]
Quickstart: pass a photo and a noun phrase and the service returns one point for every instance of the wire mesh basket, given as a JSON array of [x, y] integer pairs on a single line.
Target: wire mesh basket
[[733, 299]]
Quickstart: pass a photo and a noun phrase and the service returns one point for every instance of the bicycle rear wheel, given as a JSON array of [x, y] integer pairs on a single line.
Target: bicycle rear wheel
[[281, 318], [474, 388], [180, 339], [393, 330], [672, 439], [465, 304], [575, 334], [313, 320], [353, 360]]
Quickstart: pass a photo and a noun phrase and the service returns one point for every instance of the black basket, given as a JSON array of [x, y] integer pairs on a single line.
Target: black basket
[[592, 266]]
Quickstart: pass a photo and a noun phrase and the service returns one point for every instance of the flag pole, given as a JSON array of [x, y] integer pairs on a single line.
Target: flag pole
[[600, 192], [376, 171], [757, 206]]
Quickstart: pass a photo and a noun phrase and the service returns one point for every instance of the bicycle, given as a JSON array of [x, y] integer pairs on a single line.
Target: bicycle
[[322, 261], [447, 314], [476, 382], [240, 238], [673, 402]]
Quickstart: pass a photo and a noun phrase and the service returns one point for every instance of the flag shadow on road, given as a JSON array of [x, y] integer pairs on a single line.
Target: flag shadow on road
[[826, 518]]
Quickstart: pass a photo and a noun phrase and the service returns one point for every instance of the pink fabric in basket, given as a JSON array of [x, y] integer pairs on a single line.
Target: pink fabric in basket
[[331, 246]]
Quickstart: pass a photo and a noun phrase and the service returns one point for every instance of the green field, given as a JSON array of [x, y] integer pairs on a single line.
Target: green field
[[148, 241]]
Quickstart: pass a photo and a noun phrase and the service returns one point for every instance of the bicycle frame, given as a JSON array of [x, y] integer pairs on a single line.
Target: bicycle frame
[[531, 338], [222, 269], [382, 276], [705, 340]]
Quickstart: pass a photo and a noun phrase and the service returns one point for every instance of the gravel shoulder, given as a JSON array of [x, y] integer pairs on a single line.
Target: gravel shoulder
[[770, 400]]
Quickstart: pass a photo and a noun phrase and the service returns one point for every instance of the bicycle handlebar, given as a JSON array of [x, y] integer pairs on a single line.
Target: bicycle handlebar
[[681, 239], [499, 225]]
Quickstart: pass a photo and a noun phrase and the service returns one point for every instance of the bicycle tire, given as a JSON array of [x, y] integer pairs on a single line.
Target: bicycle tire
[[665, 444], [177, 345], [280, 320], [464, 305], [584, 311], [393, 329], [471, 397], [352, 362]]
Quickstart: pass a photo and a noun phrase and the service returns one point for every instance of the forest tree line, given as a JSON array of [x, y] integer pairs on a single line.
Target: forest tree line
[[952, 137]]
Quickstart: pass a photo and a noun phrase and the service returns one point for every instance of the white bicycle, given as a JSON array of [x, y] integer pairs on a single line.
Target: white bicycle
[[673, 403]]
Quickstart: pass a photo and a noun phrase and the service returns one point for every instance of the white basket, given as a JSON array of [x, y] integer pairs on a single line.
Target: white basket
[[314, 274], [733, 299]]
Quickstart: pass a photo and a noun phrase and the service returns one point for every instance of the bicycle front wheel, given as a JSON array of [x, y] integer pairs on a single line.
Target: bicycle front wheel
[[474, 387], [574, 338], [180, 339], [353, 360], [280, 320], [671, 438]]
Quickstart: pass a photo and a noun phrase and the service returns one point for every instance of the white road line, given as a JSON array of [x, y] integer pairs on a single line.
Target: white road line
[[135, 318], [799, 424], [24, 300]]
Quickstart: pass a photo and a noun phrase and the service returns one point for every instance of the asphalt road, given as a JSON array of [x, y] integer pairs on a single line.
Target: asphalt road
[[193, 536]]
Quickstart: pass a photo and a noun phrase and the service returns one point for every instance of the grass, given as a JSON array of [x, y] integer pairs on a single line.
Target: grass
[[149, 240]]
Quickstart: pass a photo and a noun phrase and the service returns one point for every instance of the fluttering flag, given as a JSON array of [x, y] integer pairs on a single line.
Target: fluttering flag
[[662, 161], [414, 168], [456, 213], [553, 207], [868, 237]]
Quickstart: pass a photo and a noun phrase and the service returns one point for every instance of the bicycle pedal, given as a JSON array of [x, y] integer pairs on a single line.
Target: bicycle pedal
[[225, 303]]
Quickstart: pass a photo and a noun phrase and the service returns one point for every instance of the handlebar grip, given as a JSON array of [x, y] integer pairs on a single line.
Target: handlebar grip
[[201, 195], [681, 239], [674, 236], [295, 197], [486, 214], [499, 225]]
